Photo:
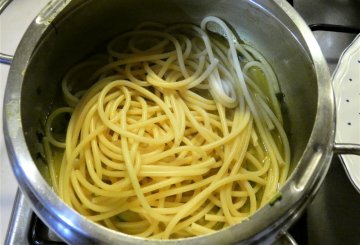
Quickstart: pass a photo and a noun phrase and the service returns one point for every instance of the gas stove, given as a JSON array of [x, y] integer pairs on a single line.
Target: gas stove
[[333, 216]]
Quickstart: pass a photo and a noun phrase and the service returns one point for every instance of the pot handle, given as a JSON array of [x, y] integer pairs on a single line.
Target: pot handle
[[5, 59], [4, 4], [346, 149]]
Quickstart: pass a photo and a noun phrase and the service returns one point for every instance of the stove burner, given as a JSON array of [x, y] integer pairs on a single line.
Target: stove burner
[[40, 234]]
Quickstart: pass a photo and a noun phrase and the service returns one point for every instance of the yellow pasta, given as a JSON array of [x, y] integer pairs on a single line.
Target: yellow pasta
[[170, 136]]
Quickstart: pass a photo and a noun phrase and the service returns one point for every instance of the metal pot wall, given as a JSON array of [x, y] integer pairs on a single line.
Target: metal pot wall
[[66, 31]]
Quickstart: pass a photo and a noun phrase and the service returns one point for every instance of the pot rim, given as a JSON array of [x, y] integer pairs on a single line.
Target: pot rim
[[73, 227]]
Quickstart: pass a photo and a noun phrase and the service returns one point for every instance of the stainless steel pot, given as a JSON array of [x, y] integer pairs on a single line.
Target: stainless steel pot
[[65, 31]]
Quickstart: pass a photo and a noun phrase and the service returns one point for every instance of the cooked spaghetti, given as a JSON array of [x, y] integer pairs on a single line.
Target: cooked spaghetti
[[177, 133]]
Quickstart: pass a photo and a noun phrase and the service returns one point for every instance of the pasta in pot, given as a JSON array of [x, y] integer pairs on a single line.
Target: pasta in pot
[[180, 134]]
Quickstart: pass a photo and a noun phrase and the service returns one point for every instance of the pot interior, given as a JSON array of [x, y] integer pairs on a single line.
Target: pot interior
[[84, 26]]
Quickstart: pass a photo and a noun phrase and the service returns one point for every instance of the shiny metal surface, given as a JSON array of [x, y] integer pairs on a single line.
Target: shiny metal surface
[[347, 149], [22, 225], [20, 221], [4, 4], [333, 217], [311, 121], [285, 239], [5, 59]]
